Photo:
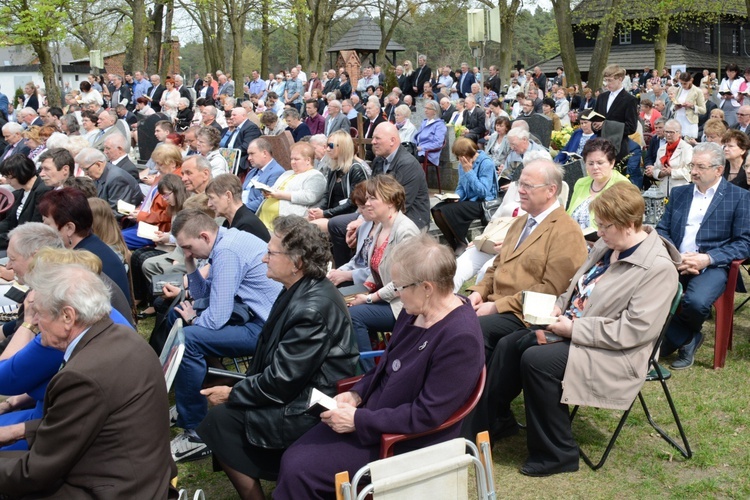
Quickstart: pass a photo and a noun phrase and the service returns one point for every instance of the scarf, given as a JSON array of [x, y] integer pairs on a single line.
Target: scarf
[[670, 149]]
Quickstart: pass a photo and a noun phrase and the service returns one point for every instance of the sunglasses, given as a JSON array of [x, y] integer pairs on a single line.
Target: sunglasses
[[331, 145]]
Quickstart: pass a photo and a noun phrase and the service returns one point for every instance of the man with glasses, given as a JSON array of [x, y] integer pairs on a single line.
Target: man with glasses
[[112, 182], [709, 222], [672, 159], [743, 120], [541, 253], [230, 307]]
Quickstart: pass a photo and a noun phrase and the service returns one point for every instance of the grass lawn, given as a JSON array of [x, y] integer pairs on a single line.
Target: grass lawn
[[714, 408]]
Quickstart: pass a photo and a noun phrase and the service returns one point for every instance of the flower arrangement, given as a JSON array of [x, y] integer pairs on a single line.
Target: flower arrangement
[[460, 131], [561, 137]]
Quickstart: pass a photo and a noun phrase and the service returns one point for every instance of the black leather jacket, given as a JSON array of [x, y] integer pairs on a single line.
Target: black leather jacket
[[310, 344], [354, 176]]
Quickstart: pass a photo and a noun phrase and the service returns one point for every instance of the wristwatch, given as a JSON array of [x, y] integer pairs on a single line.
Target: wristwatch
[[31, 327], [368, 299]]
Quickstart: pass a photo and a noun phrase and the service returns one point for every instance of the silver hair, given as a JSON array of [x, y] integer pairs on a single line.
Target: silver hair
[[518, 133], [57, 140], [432, 105], [185, 101], [12, 128], [715, 151], [210, 111], [404, 110], [320, 139], [71, 123], [116, 140], [231, 101], [553, 173], [202, 163], [537, 154], [31, 237], [520, 124], [675, 123], [70, 285], [89, 156], [29, 111]]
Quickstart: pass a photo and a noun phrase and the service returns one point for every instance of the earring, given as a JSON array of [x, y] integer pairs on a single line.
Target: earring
[[70, 241]]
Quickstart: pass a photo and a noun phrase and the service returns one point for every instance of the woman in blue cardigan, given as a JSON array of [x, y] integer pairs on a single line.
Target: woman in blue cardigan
[[477, 182]]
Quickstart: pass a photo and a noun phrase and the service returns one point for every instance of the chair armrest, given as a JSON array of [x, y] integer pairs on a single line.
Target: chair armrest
[[346, 384]]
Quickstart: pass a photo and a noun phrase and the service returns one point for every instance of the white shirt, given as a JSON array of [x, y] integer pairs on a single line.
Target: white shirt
[[698, 208], [612, 97], [540, 218], [236, 133]]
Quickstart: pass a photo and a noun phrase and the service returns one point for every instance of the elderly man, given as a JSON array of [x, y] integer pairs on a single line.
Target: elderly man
[[367, 80], [422, 74], [107, 124], [465, 81], [101, 431], [225, 86], [209, 117], [57, 165], [257, 86], [264, 170], [112, 182], [374, 118], [494, 80], [30, 118], [114, 149], [392, 102], [319, 142], [121, 94], [336, 120], [13, 135], [541, 253], [244, 133], [447, 109], [333, 82], [236, 285], [196, 174], [154, 93], [743, 119], [473, 119], [709, 222], [519, 140]]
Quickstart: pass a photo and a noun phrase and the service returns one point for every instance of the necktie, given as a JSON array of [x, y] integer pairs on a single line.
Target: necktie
[[530, 223], [99, 135], [369, 128]]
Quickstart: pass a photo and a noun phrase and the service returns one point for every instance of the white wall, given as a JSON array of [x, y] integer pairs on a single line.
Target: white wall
[[11, 80]]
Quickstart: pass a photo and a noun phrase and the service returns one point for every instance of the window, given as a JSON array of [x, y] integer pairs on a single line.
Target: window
[[707, 36], [625, 36]]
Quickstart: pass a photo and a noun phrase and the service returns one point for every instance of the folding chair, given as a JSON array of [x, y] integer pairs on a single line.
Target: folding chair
[[232, 156], [171, 354], [724, 324], [684, 450], [388, 441], [438, 472]]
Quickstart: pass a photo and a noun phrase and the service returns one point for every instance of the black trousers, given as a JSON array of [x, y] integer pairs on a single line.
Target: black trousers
[[337, 234], [453, 219]]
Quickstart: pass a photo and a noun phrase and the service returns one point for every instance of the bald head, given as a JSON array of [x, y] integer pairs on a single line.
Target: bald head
[[385, 139]]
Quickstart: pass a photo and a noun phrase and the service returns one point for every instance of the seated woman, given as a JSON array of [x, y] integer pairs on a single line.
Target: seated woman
[[736, 145], [406, 129], [153, 209], [377, 311], [356, 271], [431, 134], [672, 159], [477, 182], [26, 365], [67, 210], [20, 173], [548, 110], [295, 190], [346, 171], [497, 146], [272, 125], [106, 228], [184, 115], [306, 343], [599, 158], [578, 139], [207, 141], [609, 320], [431, 364]]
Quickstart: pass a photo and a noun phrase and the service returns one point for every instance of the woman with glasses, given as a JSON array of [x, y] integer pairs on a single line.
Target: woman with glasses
[[688, 105], [346, 171], [305, 344], [429, 368], [673, 159], [736, 145], [377, 311], [207, 141], [599, 158]]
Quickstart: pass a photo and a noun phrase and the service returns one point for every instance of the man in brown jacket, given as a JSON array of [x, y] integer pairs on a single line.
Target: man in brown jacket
[[541, 252], [105, 430]]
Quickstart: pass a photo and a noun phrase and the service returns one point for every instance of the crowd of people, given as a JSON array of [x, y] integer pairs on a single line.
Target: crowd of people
[[255, 259]]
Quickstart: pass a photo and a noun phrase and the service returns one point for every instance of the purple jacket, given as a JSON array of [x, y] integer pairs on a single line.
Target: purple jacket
[[431, 136]]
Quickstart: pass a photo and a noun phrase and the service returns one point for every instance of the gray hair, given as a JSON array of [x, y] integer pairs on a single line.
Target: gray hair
[[57, 140], [29, 238], [553, 173], [12, 128], [432, 105], [537, 154], [320, 139], [675, 123], [421, 259], [331, 103], [518, 133], [210, 111], [404, 110], [71, 123], [116, 140], [70, 285], [231, 101], [373, 98], [290, 113], [185, 101], [29, 111], [307, 247], [89, 156], [201, 163], [715, 151]]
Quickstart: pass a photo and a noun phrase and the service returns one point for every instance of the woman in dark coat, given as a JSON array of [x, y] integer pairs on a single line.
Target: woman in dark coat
[[306, 343], [20, 172]]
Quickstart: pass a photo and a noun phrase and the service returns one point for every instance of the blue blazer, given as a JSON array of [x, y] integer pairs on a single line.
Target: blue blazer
[[267, 176], [465, 87], [725, 232], [571, 147]]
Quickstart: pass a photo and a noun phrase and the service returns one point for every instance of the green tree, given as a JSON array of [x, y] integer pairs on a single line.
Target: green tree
[[36, 23]]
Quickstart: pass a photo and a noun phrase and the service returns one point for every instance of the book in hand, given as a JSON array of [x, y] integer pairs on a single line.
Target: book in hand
[[259, 185], [725, 92], [591, 234], [160, 280], [147, 231], [448, 197], [125, 208], [572, 156], [537, 308], [593, 116], [319, 402]]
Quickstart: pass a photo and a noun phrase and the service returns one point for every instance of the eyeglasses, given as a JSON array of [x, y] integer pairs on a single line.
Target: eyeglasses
[[86, 169], [166, 194], [272, 253], [670, 132], [603, 227], [703, 168], [331, 145], [529, 187], [404, 287], [743, 114]]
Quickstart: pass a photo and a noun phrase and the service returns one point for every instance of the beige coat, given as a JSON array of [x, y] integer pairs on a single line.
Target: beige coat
[[679, 161], [612, 341], [695, 97]]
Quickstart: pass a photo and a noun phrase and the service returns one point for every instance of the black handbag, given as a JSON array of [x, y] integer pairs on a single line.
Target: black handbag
[[489, 208]]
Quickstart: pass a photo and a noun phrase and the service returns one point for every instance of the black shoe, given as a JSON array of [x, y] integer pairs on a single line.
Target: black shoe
[[505, 426], [531, 471], [687, 352], [144, 315]]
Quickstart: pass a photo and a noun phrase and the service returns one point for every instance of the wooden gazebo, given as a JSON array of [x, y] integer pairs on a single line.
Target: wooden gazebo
[[364, 39]]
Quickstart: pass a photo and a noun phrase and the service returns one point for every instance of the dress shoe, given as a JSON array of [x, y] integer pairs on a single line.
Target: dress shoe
[[143, 314], [686, 356], [532, 471], [503, 427]]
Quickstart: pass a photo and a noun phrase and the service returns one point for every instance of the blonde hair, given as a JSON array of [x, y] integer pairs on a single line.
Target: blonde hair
[[167, 152], [48, 255], [343, 141], [106, 228]]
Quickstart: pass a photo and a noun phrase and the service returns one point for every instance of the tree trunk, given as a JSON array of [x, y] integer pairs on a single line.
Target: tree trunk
[[154, 37], [508, 15], [660, 44], [567, 47], [166, 53], [51, 87], [135, 58], [603, 44], [265, 34], [235, 27]]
